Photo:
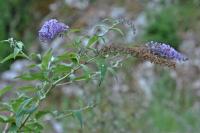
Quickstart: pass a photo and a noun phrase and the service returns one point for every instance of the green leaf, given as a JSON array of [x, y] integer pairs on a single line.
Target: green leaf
[[13, 128], [32, 66], [46, 59], [92, 41], [112, 20], [78, 115], [19, 114], [11, 56], [87, 72], [6, 119], [118, 30], [86, 75], [106, 28], [27, 88], [20, 45], [3, 41], [102, 69], [25, 103], [25, 108], [35, 127], [3, 118], [40, 114], [75, 30], [80, 78], [74, 57], [15, 103], [63, 57], [33, 76], [16, 52], [4, 90], [5, 107], [103, 39], [62, 68], [113, 72], [28, 106]]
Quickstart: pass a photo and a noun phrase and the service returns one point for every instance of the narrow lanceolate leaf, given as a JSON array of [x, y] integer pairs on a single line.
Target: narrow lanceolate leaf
[[78, 115], [33, 127], [28, 106], [74, 57], [118, 30], [74, 30], [5, 107], [92, 41], [86, 74], [4, 90], [6, 119], [19, 113], [16, 52], [86, 70], [3, 118], [20, 45], [46, 59], [102, 70], [11, 56], [33, 76], [13, 128], [62, 68], [41, 113], [103, 39], [62, 57], [27, 88]]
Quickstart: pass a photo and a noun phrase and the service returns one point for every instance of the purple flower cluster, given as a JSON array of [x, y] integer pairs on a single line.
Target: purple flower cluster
[[165, 51], [50, 29]]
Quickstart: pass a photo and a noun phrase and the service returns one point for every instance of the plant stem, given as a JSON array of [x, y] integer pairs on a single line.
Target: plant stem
[[26, 56], [52, 85], [72, 112], [26, 119], [72, 71]]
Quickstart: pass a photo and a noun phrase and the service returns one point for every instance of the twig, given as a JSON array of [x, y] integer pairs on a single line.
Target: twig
[[52, 86], [72, 71], [72, 112], [26, 119]]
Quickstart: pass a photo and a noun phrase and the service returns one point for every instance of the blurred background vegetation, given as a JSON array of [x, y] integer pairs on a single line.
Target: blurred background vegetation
[[141, 97]]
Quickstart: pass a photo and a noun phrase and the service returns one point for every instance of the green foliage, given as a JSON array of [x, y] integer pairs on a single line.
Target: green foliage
[[4, 90], [50, 72], [15, 16]]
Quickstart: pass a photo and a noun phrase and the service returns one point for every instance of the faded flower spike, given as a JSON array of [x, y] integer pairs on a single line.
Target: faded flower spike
[[165, 51], [50, 29]]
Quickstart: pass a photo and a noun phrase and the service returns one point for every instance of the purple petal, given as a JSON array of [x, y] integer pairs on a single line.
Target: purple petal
[[51, 29], [165, 51]]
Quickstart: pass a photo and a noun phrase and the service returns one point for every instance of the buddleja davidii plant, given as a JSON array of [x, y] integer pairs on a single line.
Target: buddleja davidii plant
[[53, 71], [23, 113]]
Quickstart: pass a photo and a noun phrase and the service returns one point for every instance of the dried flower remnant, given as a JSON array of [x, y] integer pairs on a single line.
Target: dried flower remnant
[[140, 52], [50, 29], [165, 51]]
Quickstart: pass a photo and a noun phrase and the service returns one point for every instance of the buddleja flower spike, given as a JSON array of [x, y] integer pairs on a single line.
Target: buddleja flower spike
[[165, 51], [51, 29]]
